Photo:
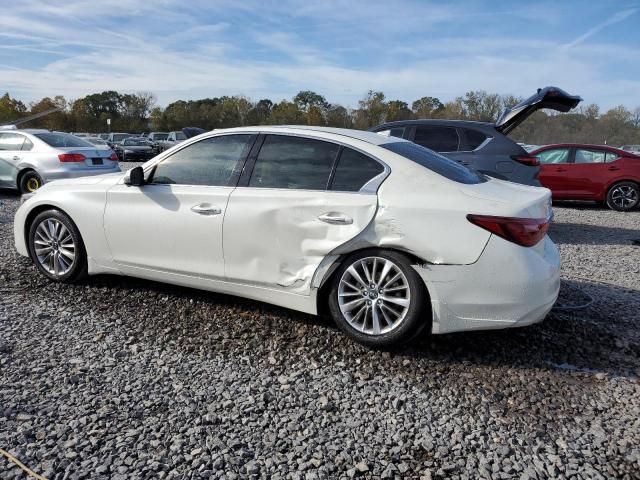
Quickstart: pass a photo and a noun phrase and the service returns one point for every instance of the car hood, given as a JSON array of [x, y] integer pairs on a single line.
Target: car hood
[[107, 179], [548, 97]]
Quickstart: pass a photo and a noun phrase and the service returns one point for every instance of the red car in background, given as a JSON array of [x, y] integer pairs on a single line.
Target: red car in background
[[591, 172]]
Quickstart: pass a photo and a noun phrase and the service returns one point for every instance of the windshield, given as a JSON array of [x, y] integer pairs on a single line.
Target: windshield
[[117, 137], [62, 140], [435, 162], [160, 136], [135, 141], [180, 136]]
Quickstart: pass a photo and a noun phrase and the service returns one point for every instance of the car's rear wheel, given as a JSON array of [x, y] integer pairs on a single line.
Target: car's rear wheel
[[623, 196], [378, 299], [56, 247], [30, 181]]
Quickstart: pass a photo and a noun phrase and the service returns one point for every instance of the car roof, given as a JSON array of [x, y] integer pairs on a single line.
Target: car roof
[[362, 135], [434, 121], [583, 145]]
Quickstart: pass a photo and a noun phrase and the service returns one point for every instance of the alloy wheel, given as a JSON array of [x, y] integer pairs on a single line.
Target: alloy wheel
[[54, 247], [374, 295], [624, 196], [33, 184]]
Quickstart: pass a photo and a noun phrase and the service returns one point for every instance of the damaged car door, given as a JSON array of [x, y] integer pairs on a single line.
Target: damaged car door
[[298, 199]]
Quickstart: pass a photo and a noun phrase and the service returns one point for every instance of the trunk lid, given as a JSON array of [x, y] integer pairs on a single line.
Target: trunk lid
[[507, 199], [94, 157], [548, 97]]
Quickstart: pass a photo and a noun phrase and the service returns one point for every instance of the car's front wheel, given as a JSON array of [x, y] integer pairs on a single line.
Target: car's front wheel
[[56, 247], [623, 196], [378, 299]]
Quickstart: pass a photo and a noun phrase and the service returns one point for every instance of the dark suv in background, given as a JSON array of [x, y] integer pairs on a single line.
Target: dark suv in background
[[481, 145]]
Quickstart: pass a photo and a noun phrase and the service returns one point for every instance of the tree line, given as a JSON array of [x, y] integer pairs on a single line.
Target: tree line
[[139, 112]]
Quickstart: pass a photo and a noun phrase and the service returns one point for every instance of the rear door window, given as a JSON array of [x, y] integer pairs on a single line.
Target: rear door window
[[589, 156], [293, 163], [11, 141], [474, 138], [354, 170], [611, 157], [438, 138], [392, 132], [557, 155]]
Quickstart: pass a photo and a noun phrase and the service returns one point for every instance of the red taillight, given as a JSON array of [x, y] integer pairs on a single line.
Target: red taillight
[[114, 156], [71, 157], [523, 231], [527, 160]]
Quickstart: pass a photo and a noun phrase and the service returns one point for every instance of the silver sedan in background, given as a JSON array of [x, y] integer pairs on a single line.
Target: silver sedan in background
[[30, 158]]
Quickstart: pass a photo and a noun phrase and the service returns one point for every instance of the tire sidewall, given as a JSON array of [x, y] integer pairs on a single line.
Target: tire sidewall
[[25, 178], [417, 318], [613, 206], [80, 264]]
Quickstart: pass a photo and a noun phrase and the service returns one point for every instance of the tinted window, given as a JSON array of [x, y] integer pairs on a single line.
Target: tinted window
[[440, 139], [11, 141], [435, 162], [62, 140], [474, 138], [138, 142], [558, 155], [208, 162], [589, 156], [293, 162], [117, 137], [354, 170]]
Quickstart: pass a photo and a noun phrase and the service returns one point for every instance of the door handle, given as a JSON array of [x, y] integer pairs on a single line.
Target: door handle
[[335, 218], [206, 209], [561, 169], [16, 158], [613, 169]]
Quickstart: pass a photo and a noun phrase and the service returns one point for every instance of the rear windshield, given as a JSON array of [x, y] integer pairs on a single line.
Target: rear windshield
[[120, 136], [135, 142], [62, 140], [435, 162]]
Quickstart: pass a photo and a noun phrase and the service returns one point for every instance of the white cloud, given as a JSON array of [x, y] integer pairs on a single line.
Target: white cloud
[[181, 53]]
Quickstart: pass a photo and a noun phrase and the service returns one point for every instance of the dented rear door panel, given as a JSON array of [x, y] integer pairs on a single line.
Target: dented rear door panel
[[274, 237]]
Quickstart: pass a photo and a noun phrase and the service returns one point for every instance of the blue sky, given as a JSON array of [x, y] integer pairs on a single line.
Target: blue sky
[[188, 49]]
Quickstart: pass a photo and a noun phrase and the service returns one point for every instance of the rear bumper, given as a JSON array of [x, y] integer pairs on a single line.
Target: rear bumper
[[509, 286], [75, 172]]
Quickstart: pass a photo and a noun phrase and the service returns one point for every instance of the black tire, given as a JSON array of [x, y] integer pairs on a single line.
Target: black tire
[[416, 317], [30, 181], [78, 266], [623, 196]]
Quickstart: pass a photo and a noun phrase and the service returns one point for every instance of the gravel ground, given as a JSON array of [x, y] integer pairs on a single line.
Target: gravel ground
[[122, 378]]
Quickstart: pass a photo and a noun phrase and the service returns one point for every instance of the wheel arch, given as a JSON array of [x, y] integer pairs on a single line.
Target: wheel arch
[[35, 211], [322, 296]]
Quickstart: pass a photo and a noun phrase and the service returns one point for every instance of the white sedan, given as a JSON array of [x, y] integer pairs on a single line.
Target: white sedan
[[388, 236]]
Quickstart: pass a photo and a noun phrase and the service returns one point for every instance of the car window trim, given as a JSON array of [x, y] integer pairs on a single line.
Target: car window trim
[[235, 174], [368, 188]]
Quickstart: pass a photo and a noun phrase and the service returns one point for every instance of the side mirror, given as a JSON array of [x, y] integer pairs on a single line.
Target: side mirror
[[134, 177]]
